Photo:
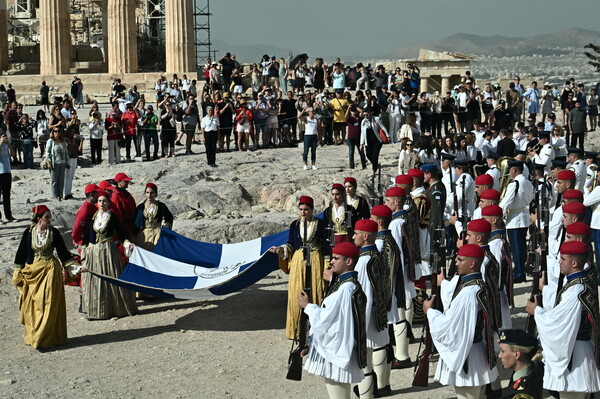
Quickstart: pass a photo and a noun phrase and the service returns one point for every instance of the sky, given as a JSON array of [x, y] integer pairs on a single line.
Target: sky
[[375, 27]]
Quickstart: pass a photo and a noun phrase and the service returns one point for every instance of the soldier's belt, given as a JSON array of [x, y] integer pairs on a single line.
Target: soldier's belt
[[517, 210]]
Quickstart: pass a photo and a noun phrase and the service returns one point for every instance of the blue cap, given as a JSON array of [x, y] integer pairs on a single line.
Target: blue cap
[[462, 162], [493, 155], [559, 164], [544, 135], [574, 150], [428, 167], [512, 163]]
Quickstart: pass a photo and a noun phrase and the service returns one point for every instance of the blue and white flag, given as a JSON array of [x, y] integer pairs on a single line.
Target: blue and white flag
[[179, 267]]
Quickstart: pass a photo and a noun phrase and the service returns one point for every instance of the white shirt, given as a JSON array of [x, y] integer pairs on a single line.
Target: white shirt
[[593, 200], [580, 173], [210, 123], [515, 205]]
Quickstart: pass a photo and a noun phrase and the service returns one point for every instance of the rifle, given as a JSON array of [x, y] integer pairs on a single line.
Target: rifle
[[295, 360], [330, 229], [437, 252], [463, 219]]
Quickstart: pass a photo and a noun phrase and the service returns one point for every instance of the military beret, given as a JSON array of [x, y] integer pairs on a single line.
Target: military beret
[[403, 179], [566, 175], [346, 249], [491, 194], [415, 173], [395, 192], [381, 211], [574, 208], [518, 338], [573, 194], [491, 210], [480, 226], [471, 251], [574, 248], [367, 225], [484, 179], [579, 228]]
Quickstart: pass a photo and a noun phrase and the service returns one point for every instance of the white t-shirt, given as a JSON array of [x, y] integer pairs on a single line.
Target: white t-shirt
[[311, 126]]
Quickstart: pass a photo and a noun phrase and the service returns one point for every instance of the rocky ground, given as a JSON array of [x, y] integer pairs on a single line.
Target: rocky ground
[[230, 346]]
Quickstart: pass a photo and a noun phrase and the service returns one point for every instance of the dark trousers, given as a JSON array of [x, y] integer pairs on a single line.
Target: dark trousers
[[577, 137], [426, 120], [96, 147], [310, 142], [372, 150], [128, 140], [151, 135], [355, 143], [5, 187], [448, 118], [436, 125], [210, 142], [518, 246]]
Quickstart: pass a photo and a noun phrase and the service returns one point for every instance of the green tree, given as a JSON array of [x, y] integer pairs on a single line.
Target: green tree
[[594, 56]]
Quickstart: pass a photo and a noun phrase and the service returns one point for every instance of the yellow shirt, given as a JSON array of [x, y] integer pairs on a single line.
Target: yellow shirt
[[339, 109]]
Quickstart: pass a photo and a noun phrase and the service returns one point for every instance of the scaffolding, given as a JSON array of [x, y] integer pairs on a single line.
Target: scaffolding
[[202, 41]]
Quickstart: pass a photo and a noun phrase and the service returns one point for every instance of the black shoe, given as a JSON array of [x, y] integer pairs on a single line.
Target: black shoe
[[385, 391], [177, 143], [520, 280], [402, 364], [68, 197]]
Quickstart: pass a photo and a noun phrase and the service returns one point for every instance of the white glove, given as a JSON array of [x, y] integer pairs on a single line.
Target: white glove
[[74, 270]]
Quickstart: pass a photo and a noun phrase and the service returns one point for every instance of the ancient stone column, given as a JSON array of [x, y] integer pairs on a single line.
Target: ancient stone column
[[3, 37], [179, 36], [445, 84], [104, 7], [122, 37], [55, 37], [424, 84]]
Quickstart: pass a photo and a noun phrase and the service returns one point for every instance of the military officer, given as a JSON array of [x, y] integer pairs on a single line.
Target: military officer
[[577, 165], [519, 352], [545, 154]]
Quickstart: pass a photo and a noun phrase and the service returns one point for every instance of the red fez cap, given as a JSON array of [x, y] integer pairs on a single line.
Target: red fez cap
[[103, 194], [566, 175], [346, 249], [337, 186], [490, 194], [403, 179], [579, 228], [575, 208], [381, 211], [122, 177], [350, 180], [471, 251], [306, 200], [40, 209], [480, 226], [484, 180], [367, 225], [395, 192], [152, 186], [573, 194], [574, 248], [491, 210], [90, 188], [415, 173], [105, 184]]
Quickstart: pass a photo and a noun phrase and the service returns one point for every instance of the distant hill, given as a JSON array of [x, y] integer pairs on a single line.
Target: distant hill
[[506, 46], [248, 54]]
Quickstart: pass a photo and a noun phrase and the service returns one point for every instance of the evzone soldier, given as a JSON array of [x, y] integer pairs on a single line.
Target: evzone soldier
[[436, 193], [339, 216], [465, 186], [493, 168], [568, 327], [545, 152], [488, 197], [412, 219], [515, 206], [358, 202], [374, 280], [519, 352], [577, 165], [423, 206], [392, 260], [394, 199], [463, 333], [482, 183], [338, 358], [500, 249], [565, 180], [572, 212]]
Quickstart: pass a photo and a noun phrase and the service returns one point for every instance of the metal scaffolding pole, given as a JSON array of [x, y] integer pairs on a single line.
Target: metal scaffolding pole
[[202, 32]]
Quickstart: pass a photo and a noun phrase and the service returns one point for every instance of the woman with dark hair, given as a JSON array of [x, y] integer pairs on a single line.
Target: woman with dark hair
[[319, 78], [56, 160], [101, 299], [150, 216], [38, 276], [426, 150], [370, 138], [408, 158], [449, 147], [307, 239]]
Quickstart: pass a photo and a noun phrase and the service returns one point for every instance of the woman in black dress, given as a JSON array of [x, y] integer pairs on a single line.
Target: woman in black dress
[[319, 78], [370, 138]]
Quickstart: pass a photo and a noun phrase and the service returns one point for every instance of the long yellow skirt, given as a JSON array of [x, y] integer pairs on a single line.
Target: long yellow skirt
[[297, 284], [42, 304], [147, 238]]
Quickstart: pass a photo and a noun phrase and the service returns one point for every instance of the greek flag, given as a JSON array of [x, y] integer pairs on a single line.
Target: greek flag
[[179, 267]]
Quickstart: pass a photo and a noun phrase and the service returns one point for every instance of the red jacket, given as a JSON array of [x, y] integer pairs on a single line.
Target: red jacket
[[82, 220], [125, 207], [129, 122]]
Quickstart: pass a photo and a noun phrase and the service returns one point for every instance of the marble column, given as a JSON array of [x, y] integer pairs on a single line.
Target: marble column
[[3, 37], [55, 37], [424, 84], [445, 84], [104, 7], [122, 37], [179, 36]]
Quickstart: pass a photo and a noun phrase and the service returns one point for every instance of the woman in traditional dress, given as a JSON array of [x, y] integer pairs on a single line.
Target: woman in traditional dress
[[39, 278], [102, 300], [150, 216], [306, 233]]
